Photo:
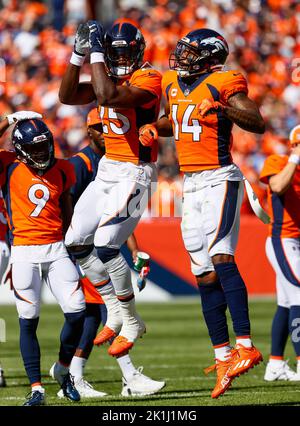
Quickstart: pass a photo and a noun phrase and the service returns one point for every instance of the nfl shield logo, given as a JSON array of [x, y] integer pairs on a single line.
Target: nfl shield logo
[[186, 92]]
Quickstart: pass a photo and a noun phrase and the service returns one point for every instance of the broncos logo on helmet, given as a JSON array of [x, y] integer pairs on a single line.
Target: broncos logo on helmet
[[33, 143], [124, 47], [198, 52]]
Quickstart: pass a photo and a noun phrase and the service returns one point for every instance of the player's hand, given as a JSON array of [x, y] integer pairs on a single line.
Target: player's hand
[[22, 115], [209, 106], [96, 34], [296, 149], [7, 279], [81, 45], [141, 280], [148, 134]]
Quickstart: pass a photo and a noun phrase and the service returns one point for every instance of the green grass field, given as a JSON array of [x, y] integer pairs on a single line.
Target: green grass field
[[176, 348]]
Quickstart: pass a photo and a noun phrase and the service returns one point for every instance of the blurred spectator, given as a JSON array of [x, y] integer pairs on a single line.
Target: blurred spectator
[[36, 40]]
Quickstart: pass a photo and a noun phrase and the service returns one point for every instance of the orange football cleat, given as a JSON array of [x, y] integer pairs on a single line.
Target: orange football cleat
[[243, 359], [223, 381], [104, 336], [120, 346]]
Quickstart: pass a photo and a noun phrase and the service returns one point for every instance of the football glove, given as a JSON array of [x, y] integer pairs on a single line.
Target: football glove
[[22, 115], [209, 106], [148, 134], [96, 34], [81, 45], [141, 280]]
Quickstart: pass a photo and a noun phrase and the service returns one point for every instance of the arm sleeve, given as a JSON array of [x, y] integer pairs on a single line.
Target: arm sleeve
[[273, 165], [234, 83]]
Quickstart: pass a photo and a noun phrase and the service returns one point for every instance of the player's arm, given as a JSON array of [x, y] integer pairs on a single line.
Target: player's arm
[[66, 209], [132, 246], [245, 113], [150, 132], [72, 92], [4, 125], [17, 116], [280, 182]]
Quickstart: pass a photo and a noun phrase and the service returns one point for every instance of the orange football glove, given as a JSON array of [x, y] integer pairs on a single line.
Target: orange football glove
[[209, 106], [148, 134]]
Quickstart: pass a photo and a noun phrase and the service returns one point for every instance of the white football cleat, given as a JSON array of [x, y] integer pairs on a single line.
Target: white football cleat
[[85, 390], [282, 372], [140, 385]]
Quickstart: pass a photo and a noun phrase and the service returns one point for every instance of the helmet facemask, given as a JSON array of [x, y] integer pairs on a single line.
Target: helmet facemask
[[38, 154]]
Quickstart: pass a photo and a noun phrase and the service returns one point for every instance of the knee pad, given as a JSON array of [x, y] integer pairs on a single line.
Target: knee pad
[[80, 252], [106, 254]]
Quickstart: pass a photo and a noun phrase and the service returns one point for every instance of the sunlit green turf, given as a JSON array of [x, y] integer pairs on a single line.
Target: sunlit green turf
[[175, 348]]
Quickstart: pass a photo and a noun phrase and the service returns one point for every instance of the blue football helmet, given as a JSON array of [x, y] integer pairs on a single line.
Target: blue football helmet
[[33, 143], [124, 47], [199, 51]]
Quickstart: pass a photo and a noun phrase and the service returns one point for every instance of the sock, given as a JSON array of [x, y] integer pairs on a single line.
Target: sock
[[222, 352], [37, 387], [276, 362], [279, 331], [77, 367], [120, 275], [298, 365], [114, 315], [126, 367], [214, 312], [244, 341], [91, 323], [236, 296], [70, 336], [294, 322], [30, 349]]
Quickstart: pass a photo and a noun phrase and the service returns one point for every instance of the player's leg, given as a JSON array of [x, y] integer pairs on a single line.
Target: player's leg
[[63, 280], [277, 368], [221, 210], [27, 289], [120, 217], [287, 256], [212, 296]]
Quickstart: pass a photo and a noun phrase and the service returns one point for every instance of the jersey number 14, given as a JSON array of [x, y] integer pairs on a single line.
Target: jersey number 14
[[195, 129]]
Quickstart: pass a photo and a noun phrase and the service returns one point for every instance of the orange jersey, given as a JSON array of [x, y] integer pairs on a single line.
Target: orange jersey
[[3, 221], [283, 209], [91, 295], [202, 143], [33, 201], [121, 125]]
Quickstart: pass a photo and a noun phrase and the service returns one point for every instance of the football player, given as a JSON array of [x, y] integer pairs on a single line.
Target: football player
[[133, 381], [35, 187], [110, 208], [203, 102], [282, 175]]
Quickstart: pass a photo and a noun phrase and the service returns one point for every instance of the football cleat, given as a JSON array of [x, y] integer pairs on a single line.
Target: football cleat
[[243, 359], [35, 398], [223, 381], [2, 379], [66, 382], [104, 336], [128, 334], [85, 390], [281, 372], [140, 385]]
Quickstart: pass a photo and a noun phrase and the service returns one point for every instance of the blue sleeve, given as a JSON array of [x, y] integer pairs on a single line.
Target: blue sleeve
[[83, 178]]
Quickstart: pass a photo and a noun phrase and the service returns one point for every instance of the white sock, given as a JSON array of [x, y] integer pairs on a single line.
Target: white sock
[[222, 352], [246, 342], [38, 388], [77, 367], [120, 275], [298, 366], [126, 367], [114, 315], [276, 362]]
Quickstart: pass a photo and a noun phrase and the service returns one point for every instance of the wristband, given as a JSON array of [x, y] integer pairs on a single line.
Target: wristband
[[97, 57], [77, 60], [294, 158]]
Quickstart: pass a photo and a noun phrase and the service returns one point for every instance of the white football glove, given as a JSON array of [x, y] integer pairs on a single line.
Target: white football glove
[[81, 46], [22, 115]]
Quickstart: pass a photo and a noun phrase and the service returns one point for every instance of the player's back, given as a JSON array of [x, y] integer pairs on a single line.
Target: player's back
[[33, 201], [121, 125], [202, 143], [85, 164], [283, 209]]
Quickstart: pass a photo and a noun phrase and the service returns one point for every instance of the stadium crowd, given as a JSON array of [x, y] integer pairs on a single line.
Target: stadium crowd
[[36, 40]]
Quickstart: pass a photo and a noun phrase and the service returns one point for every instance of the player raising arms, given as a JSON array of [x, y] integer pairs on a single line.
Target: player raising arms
[[203, 102], [110, 208], [35, 187]]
